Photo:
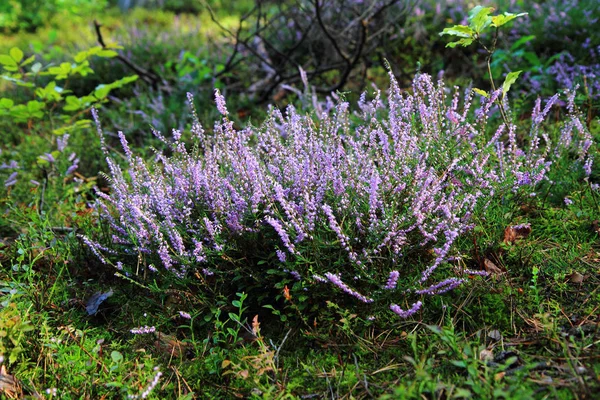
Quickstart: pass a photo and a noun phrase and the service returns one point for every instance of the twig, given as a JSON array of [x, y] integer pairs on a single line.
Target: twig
[[147, 76]]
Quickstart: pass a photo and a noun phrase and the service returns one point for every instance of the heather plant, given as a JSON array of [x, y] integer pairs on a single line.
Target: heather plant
[[352, 201]]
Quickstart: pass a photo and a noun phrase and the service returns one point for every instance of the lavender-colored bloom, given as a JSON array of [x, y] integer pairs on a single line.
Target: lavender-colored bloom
[[441, 287], [61, 142], [221, 105], [392, 280], [48, 157], [150, 386], [11, 180], [405, 314], [143, 330], [296, 275], [12, 164], [281, 255], [587, 166], [185, 315], [337, 281], [73, 167], [568, 201]]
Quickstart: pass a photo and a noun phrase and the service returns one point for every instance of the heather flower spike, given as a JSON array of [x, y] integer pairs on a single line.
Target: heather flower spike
[[221, 106]]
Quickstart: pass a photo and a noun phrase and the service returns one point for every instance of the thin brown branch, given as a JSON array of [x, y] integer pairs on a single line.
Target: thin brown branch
[[147, 76]]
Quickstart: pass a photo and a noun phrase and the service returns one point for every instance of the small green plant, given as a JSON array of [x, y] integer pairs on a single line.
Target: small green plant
[[480, 21], [38, 117], [53, 103]]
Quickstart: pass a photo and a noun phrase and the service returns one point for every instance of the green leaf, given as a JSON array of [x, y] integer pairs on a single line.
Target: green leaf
[[458, 30], [522, 41], [16, 54], [8, 61], [511, 78], [35, 68], [481, 92], [102, 91], [461, 364], [6, 103], [233, 317], [81, 56], [499, 20], [461, 42], [73, 104], [532, 58], [107, 53], [116, 356], [479, 18], [28, 61]]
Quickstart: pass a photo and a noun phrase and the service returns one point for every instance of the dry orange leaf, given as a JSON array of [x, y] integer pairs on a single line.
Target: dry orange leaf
[[256, 325], [515, 232], [286, 293]]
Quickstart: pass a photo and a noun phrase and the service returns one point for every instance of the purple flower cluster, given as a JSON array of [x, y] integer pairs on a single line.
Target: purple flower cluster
[[367, 189], [150, 386], [143, 330]]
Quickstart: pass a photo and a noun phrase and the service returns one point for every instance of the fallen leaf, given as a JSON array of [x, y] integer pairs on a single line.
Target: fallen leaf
[[94, 302], [576, 277], [486, 355], [515, 232], [169, 345], [495, 335], [9, 385], [491, 268]]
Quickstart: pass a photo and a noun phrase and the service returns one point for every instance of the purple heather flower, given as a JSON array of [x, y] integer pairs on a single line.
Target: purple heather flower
[[296, 275], [280, 255], [587, 166], [568, 201], [185, 315], [11, 180], [61, 142], [150, 386], [392, 280], [441, 287], [220, 100], [48, 157], [405, 314], [142, 330], [337, 281]]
